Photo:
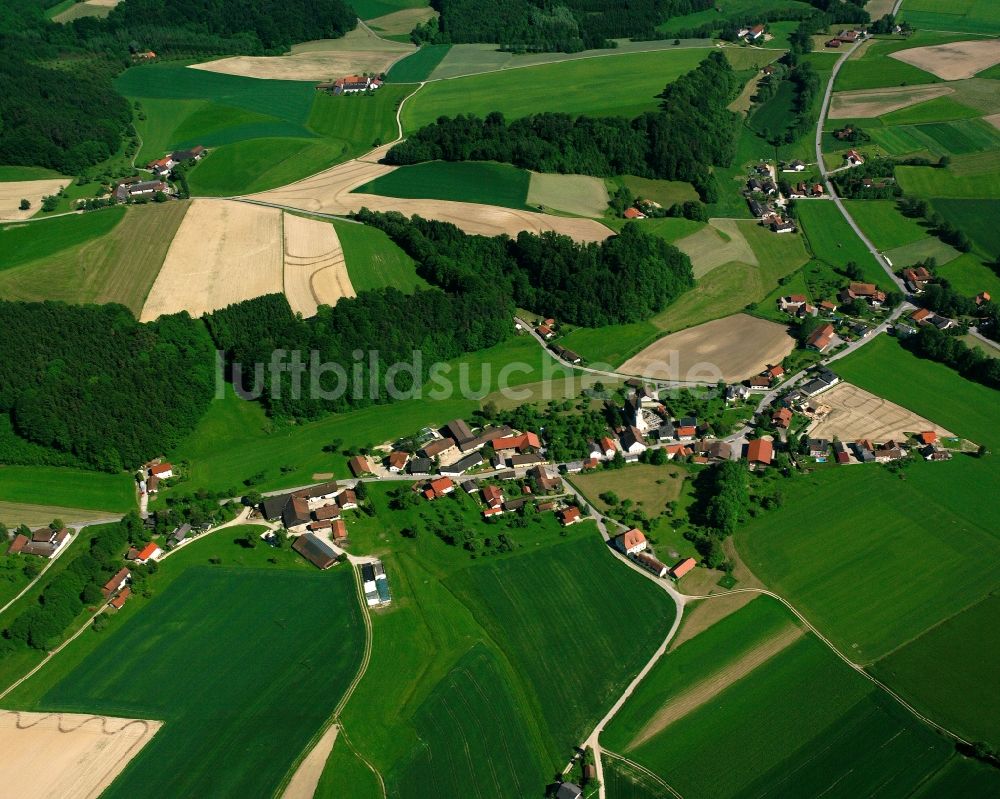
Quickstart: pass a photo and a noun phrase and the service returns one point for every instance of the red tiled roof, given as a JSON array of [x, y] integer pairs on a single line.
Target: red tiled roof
[[928, 437], [683, 567], [760, 450], [339, 529], [523, 441], [160, 469], [568, 515], [119, 600], [633, 538], [147, 551]]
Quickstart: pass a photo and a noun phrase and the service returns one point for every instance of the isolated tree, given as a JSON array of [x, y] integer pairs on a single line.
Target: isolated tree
[[25, 204]]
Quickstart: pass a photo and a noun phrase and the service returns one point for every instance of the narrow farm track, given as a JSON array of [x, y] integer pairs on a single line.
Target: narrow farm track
[[644, 771]]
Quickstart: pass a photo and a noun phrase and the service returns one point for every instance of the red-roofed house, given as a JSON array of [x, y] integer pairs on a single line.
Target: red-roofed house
[[921, 316], [492, 496], [568, 516], [631, 542], [760, 451], [634, 213], [149, 552], [982, 296], [782, 418], [755, 33], [683, 568], [545, 332], [164, 471], [438, 488], [338, 529], [928, 437], [821, 338], [853, 158], [520, 443], [116, 583], [397, 460], [119, 600]]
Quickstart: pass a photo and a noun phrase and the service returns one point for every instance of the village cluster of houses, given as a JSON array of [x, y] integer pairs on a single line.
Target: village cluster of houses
[[850, 36], [765, 202], [635, 545], [351, 84], [547, 330], [162, 167], [43, 542], [138, 188]]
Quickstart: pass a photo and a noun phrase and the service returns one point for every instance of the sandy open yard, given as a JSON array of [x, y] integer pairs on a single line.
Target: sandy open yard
[[330, 192], [875, 102], [720, 242], [224, 252], [710, 687], [953, 61], [572, 194], [315, 270], [65, 755], [730, 349], [855, 413], [11, 194], [325, 59]]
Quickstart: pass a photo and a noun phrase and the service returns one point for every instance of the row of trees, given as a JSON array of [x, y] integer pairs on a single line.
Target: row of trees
[[970, 362], [949, 233], [625, 278], [74, 588], [96, 385], [566, 25], [692, 131]]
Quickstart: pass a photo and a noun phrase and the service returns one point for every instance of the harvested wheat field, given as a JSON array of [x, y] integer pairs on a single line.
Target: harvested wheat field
[[730, 349], [12, 192], [327, 59], [306, 777], [571, 194], [953, 61], [224, 252], [403, 21], [994, 120], [330, 192], [710, 687], [65, 755], [855, 413], [720, 242], [875, 102], [315, 270]]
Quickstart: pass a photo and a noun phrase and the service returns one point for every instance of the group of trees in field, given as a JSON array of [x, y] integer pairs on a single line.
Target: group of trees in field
[[970, 362], [692, 131], [58, 107], [94, 384], [880, 174], [76, 587], [546, 25], [949, 233], [625, 278]]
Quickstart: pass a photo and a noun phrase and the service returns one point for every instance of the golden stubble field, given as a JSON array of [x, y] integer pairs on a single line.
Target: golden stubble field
[[855, 413], [876, 102], [953, 61], [65, 755], [12, 192], [315, 270]]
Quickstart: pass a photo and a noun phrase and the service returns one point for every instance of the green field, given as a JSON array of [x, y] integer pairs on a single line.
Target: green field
[[664, 192], [118, 266], [723, 9], [882, 222], [572, 87], [465, 181], [871, 588], [919, 251], [21, 243], [925, 673], [212, 656], [68, 488], [374, 260], [771, 119], [14, 173], [974, 16], [956, 137], [977, 218], [370, 9], [925, 181], [419, 66], [582, 195], [876, 69], [261, 133], [832, 240], [803, 724]]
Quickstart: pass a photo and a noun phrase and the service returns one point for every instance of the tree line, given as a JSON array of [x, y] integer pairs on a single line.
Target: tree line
[[543, 25], [970, 362], [692, 131], [96, 386]]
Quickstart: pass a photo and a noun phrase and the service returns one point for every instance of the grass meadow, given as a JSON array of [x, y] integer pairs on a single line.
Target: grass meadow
[[119, 265], [933, 139], [261, 133], [418, 66], [972, 16], [15, 173], [67, 488], [882, 567], [875, 69], [833, 242], [571, 87], [243, 661], [374, 260], [464, 181], [928, 182], [22, 243], [803, 724], [882, 222], [664, 192]]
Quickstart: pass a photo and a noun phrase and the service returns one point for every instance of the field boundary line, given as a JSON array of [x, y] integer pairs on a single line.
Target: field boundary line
[[334, 716], [645, 771], [363, 759], [398, 58]]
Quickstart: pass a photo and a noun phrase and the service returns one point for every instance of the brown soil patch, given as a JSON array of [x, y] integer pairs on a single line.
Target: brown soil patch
[[876, 102], [712, 686], [402, 21], [323, 476], [12, 192], [330, 192], [953, 61], [315, 271], [224, 252], [994, 120], [306, 778], [326, 59], [729, 349], [855, 413], [71, 756], [700, 615]]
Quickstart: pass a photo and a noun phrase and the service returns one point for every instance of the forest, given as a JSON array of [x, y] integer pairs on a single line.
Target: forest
[[544, 25], [58, 108], [92, 382], [692, 131]]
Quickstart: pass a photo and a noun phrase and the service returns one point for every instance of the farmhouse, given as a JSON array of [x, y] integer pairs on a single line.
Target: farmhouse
[[651, 564], [632, 542], [436, 447], [351, 84], [632, 441], [782, 418], [570, 515], [296, 513], [164, 471], [359, 466], [116, 583], [760, 451], [755, 33], [314, 549], [634, 213], [854, 158], [149, 552], [178, 535], [44, 543], [462, 465], [525, 461], [792, 302], [545, 481], [521, 443], [195, 153], [438, 488], [485, 437], [397, 460], [822, 338], [682, 568], [458, 431], [420, 466], [146, 187], [865, 291], [119, 600], [795, 166], [567, 355], [569, 790], [921, 316], [493, 496]]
